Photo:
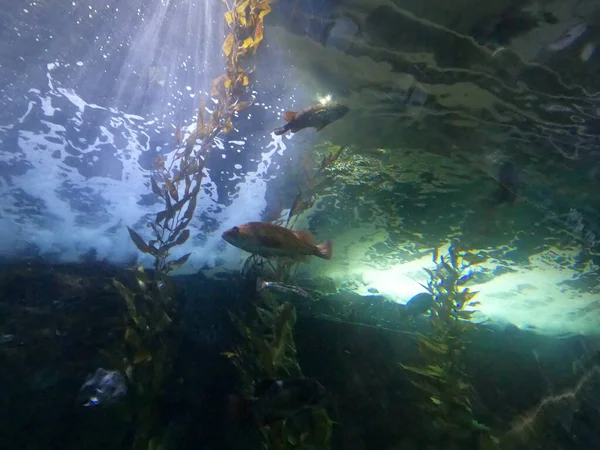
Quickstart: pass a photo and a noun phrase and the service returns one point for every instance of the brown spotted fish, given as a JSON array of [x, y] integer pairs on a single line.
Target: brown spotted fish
[[316, 116], [269, 240]]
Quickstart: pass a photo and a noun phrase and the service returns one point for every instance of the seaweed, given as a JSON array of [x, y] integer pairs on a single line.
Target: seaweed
[[442, 378], [151, 340], [178, 183], [312, 179], [267, 351]]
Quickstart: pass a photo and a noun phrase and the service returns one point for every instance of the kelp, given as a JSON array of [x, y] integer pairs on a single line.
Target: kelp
[[151, 337], [443, 379], [267, 351], [147, 354], [312, 178], [178, 184]]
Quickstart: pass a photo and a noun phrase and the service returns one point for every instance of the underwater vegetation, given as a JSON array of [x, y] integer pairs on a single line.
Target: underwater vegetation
[[152, 338], [267, 352], [442, 378], [266, 358], [178, 182], [152, 333], [278, 403]]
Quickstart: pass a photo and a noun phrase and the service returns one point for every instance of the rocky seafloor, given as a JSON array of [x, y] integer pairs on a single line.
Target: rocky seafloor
[[57, 321]]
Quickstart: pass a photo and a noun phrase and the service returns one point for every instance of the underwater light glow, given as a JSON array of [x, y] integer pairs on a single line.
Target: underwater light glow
[[538, 296], [325, 100], [398, 283]]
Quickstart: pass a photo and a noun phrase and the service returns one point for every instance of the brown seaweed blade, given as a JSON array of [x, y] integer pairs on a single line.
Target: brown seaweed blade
[[445, 384]]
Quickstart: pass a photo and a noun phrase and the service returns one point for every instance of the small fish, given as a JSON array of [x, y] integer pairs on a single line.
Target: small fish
[[419, 304], [278, 399], [158, 75], [269, 240], [103, 387], [179, 135], [280, 287], [316, 116], [508, 185]]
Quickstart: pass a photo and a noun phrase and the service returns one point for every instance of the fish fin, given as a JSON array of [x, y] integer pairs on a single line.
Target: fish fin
[[325, 250], [288, 116], [260, 284], [281, 130], [294, 129], [263, 386], [238, 408], [305, 236]]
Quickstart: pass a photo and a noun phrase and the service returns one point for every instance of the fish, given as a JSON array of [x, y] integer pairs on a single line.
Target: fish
[[103, 387], [276, 400], [419, 304], [280, 287], [315, 116], [269, 240], [508, 185], [178, 135], [158, 75]]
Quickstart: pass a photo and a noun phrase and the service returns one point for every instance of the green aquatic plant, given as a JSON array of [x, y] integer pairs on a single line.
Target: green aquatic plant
[[151, 337], [267, 351], [443, 378], [151, 343], [178, 184], [312, 178]]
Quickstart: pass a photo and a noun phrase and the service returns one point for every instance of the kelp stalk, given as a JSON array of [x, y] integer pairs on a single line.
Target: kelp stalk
[[151, 339], [267, 351], [443, 378]]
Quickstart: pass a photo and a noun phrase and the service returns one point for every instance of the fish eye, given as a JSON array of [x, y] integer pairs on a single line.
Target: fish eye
[[235, 229]]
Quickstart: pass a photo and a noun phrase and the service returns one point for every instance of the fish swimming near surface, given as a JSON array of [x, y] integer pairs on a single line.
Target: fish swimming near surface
[[282, 288], [269, 240], [316, 116], [158, 75], [509, 184], [278, 399]]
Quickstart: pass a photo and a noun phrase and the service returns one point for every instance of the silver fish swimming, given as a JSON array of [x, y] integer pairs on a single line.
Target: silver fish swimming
[[280, 287]]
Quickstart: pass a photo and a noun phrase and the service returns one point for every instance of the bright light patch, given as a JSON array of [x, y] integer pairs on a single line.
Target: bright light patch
[[400, 282], [325, 100], [538, 296]]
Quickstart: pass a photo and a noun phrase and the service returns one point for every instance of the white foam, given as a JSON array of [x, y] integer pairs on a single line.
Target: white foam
[[58, 231]]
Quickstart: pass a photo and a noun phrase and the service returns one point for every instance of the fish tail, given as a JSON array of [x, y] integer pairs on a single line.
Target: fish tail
[[325, 250], [281, 130], [260, 284]]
